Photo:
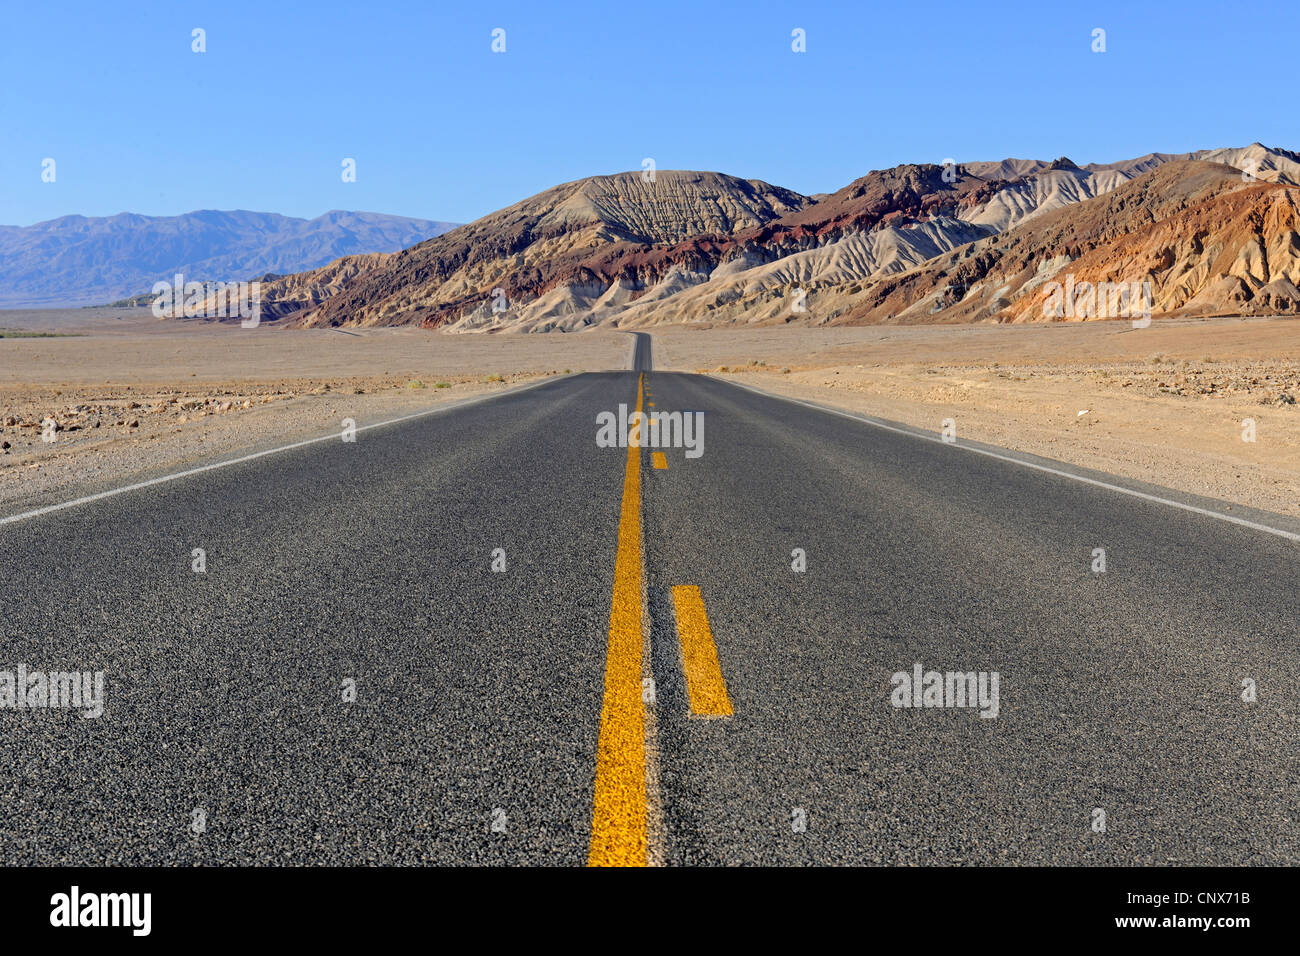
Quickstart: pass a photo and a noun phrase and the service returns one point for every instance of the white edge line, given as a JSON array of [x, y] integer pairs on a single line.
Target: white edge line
[[270, 451], [1289, 535]]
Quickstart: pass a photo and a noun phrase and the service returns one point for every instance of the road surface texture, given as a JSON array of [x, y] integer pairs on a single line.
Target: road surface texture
[[350, 681]]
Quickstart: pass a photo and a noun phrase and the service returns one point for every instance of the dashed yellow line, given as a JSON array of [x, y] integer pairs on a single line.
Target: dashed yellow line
[[704, 684], [618, 819], [660, 460]]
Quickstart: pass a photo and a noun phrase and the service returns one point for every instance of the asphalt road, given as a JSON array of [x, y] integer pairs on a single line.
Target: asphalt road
[[480, 695]]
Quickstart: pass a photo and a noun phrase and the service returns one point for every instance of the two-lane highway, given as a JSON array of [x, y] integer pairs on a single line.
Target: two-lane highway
[[678, 659]]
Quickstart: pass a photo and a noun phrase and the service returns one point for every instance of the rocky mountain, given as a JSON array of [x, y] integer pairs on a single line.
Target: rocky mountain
[[1209, 231], [74, 260], [586, 252], [888, 222], [553, 254], [1263, 162], [1269, 164], [1193, 236]]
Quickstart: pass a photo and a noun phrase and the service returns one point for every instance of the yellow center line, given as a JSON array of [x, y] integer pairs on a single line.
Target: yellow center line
[[660, 460], [704, 684], [618, 818]]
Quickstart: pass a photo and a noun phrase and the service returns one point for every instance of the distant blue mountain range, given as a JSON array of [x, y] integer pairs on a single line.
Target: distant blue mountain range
[[74, 261]]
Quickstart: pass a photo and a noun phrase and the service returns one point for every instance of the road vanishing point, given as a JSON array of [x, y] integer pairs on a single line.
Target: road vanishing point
[[648, 676]]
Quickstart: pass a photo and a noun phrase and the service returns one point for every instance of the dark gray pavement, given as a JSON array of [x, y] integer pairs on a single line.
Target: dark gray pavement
[[371, 561]]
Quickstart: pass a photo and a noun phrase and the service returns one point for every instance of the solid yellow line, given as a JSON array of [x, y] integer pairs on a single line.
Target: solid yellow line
[[618, 818], [704, 684], [660, 460]]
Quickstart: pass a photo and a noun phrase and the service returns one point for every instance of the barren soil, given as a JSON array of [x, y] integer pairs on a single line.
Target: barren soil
[[1163, 404]]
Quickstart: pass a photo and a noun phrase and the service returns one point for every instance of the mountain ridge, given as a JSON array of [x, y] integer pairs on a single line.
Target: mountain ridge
[[541, 265], [909, 243], [82, 260]]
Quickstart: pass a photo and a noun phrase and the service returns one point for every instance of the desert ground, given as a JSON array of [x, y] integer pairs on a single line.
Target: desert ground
[[133, 396], [1163, 404]]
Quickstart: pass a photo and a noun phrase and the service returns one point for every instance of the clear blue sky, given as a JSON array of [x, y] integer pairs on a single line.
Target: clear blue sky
[[442, 128]]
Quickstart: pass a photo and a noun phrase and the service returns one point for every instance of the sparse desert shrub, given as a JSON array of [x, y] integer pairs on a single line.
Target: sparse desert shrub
[[442, 384], [415, 383], [494, 377]]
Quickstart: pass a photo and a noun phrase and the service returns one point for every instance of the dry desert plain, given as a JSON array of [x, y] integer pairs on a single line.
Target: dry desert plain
[[135, 397]]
